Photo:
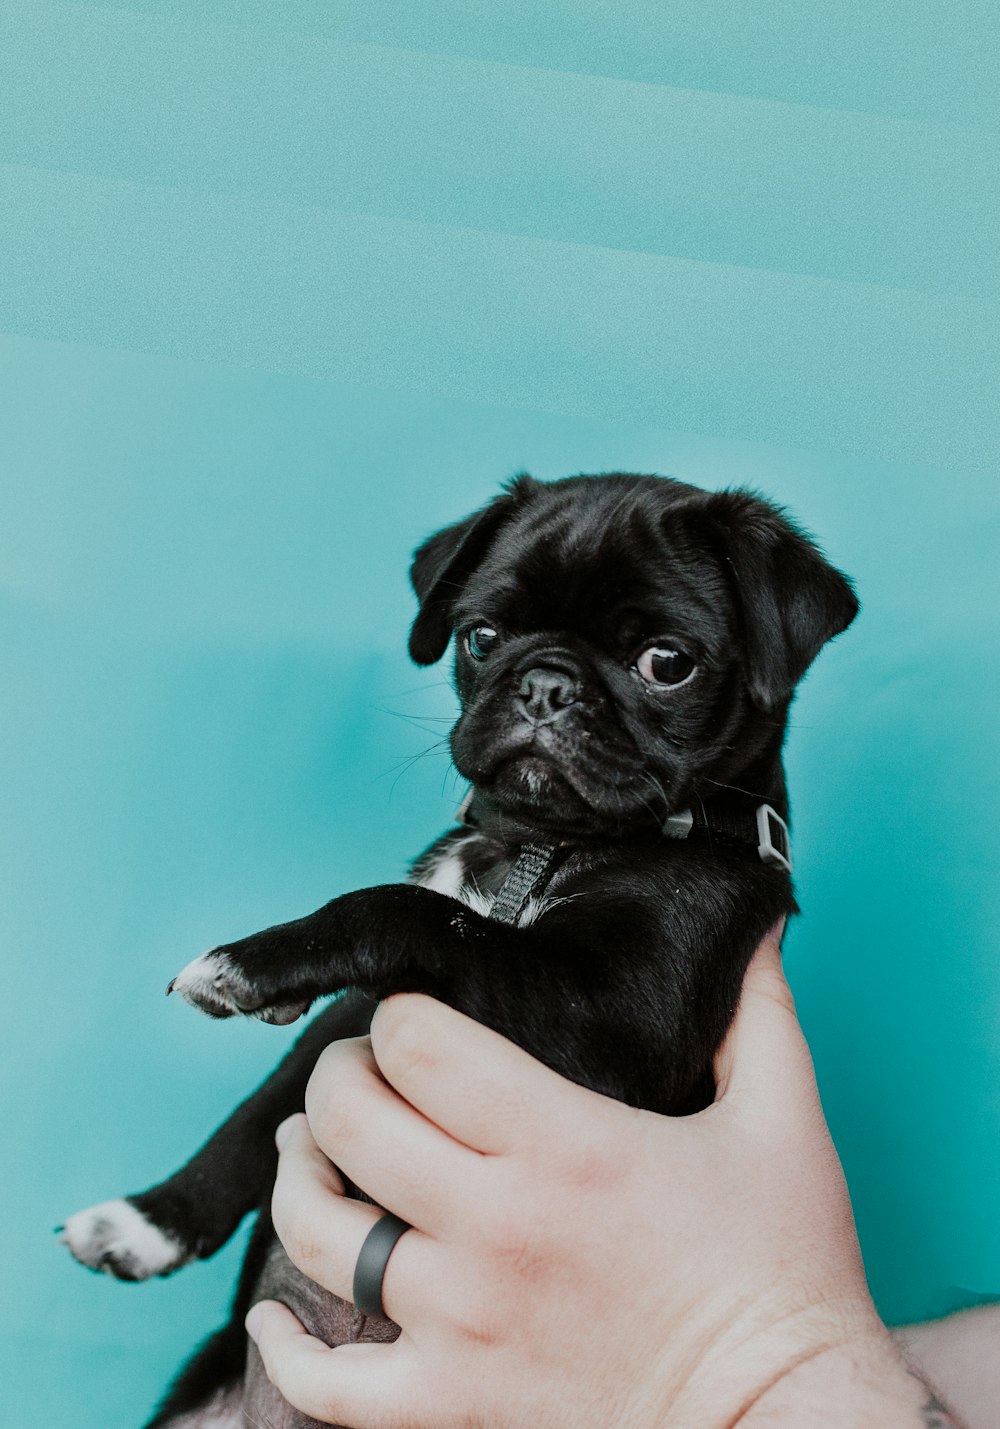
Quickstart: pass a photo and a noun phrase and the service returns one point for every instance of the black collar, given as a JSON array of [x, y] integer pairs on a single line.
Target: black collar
[[733, 820], [742, 822]]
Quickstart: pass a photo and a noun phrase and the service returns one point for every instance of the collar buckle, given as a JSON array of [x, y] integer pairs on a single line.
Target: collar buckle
[[679, 825], [774, 846]]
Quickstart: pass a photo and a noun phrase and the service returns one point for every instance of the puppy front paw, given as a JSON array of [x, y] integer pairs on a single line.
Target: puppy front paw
[[117, 1239], [213, 984]]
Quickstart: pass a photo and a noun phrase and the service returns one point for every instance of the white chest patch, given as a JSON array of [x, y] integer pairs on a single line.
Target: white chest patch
[[447, 875]]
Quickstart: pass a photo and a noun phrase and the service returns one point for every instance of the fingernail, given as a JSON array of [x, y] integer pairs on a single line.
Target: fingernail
[[252, 1322], [283, 1132]]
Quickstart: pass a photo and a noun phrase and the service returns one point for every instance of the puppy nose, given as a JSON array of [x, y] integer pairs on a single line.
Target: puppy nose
[[544, 692]]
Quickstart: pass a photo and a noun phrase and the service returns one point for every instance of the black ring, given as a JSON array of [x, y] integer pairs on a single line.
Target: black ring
[[369, 1272]]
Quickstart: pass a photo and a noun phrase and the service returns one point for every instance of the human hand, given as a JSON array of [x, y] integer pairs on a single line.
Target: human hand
[[575, 1261]]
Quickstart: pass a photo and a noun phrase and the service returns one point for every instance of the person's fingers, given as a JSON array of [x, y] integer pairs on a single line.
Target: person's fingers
[[291, 1129], [383, 1144], [764, 1051], [308, 1196], [474, 1084], [363, 1385], [323, 1231]]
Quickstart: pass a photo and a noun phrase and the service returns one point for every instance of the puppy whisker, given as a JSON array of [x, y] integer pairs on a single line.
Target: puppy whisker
[[450, 775], [422, 689], [423, 722], [436, 748], [405, 765]]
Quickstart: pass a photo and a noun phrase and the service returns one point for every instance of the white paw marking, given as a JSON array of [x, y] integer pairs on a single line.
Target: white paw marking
[[117, 1238], [212, 984]]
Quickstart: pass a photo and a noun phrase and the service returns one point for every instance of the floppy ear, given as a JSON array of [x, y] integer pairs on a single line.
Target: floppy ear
[[445, 561], [792, 600]]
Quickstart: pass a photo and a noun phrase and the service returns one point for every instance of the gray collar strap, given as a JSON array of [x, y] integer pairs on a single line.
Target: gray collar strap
[[533, 868]]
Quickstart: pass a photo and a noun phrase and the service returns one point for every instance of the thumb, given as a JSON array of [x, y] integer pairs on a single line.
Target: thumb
[[764, 1055]]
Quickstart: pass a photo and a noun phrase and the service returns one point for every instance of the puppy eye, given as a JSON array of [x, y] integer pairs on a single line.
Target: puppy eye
[[480, 640], [660, 665]]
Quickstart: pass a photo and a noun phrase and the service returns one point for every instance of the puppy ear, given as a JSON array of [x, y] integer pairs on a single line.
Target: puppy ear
[[446, 560], [792, 600]]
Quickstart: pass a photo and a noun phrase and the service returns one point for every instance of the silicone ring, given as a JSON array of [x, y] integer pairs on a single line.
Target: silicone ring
[[369, 1272]]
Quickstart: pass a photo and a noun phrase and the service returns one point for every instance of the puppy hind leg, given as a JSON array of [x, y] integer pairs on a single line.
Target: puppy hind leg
[[223, 1411], [155, 1232], [195, 1211], [208, 1392]]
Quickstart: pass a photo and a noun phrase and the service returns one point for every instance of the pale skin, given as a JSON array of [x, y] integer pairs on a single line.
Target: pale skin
[[574, 1261]]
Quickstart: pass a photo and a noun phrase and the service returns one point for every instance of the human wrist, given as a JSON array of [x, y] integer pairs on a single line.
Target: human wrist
[[853, 1385]]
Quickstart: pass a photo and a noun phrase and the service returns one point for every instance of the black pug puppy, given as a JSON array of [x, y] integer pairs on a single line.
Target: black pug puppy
[[626, 649]]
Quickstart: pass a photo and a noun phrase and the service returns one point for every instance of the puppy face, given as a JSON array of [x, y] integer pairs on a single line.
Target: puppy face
[[622, 643]]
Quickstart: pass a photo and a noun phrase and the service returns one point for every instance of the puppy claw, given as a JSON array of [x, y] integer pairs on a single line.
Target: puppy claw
[[115, 1238]]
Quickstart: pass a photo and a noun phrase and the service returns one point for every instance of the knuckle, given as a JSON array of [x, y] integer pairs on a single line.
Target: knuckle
[[400, 1040], [514, 1246], [292, 1134], [308, 1256], [330, 1069], [333, 1126], [283, 1203], [264, 1350], [476, 1327], [586, 1166], [472, 1313], [304, 1251], [329, 1101]]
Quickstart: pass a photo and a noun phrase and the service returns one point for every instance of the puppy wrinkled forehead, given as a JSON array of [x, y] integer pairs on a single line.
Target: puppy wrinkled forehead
[[572, 559]]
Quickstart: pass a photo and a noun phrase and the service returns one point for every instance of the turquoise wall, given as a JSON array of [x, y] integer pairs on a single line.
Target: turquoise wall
[[285, 287]]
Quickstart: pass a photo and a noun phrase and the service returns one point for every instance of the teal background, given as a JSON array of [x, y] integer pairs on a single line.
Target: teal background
[[283, 287]]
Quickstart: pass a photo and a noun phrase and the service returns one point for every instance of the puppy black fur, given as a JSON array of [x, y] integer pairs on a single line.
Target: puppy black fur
[[626, 972]]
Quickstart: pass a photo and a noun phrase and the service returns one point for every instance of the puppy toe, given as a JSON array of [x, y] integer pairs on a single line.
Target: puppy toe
[[117, 1239], [213, 985]]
